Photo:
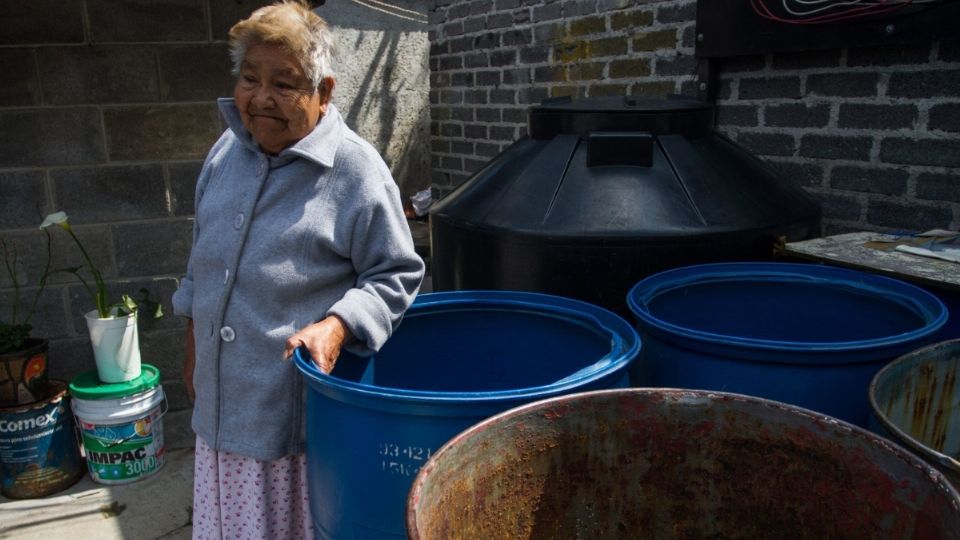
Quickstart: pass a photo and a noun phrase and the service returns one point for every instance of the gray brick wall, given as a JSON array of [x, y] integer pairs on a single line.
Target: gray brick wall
[[874, 133]]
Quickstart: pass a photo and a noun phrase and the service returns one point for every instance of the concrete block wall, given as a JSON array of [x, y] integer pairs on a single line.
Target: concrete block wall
[[107, 112], [107, 115], [873, 133]]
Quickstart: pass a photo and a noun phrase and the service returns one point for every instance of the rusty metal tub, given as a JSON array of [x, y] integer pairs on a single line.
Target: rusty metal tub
[[916, 402], [670, 463]]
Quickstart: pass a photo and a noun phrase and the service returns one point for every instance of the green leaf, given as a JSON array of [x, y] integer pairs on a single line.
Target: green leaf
[[12, 336], [69, 270], [128, 303]]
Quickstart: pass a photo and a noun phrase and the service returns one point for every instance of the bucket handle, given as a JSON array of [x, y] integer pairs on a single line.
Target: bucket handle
[[164, 408]]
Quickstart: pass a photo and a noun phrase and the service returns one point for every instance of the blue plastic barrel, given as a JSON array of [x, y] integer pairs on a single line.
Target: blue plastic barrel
[[457, 358], [915, 402], [803, 334]]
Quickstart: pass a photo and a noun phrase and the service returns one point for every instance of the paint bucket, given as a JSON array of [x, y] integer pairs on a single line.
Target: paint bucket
[[916, 403], [23, 374], [121, 425], [458, 358], [38, 447], [658, 463], [116, 346], [805, 334]]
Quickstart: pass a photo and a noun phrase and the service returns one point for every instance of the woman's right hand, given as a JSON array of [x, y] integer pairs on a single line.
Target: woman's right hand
[[322, 339], [189, 361]]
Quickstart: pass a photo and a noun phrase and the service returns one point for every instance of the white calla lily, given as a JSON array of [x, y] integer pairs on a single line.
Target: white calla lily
[[98, 289], [56, 218]]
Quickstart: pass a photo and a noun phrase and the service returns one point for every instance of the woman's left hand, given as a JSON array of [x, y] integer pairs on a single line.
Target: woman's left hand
[[323, 339]]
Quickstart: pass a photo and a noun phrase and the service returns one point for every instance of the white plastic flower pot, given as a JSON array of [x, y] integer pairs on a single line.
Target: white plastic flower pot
[[116, 346]]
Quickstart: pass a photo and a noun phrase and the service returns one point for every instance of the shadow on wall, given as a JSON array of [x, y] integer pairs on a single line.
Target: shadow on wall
[[383, 81], [392, 15]]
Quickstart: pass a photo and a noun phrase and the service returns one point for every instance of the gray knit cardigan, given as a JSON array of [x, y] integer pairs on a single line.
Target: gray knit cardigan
[[281, 242]]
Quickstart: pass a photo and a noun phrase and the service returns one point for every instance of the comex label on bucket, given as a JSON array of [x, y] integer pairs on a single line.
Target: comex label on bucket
[[42, 420], [38, 450]]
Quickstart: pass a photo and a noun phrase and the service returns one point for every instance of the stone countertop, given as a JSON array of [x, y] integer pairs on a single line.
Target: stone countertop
[[861, 251]]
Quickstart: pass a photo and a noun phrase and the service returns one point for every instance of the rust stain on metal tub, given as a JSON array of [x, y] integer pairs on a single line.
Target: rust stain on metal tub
[[659, 463], [916, 400]]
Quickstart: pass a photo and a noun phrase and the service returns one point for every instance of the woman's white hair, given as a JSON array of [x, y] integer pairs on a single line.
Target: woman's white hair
[[292, 25]]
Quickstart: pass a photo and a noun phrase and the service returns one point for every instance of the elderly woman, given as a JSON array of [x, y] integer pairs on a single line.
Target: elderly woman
[[299, 240]]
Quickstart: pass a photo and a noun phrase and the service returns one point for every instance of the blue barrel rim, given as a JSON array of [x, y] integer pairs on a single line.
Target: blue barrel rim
[[625, 346], [915, 358], [918, 300]]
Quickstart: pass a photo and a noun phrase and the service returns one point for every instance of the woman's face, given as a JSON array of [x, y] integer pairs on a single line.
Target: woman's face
[[277, 102]]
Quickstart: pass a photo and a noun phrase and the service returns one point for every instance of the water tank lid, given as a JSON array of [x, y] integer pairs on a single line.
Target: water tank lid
[[658, 116], [622, 104]]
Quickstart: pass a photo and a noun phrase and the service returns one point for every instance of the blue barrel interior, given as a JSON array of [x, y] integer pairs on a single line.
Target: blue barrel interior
[[768, 308], [477, 348], [804, 334], [457, 358]]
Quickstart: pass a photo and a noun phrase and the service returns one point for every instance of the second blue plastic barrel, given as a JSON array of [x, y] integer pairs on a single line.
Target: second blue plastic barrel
[[457, 358], [803, 334]]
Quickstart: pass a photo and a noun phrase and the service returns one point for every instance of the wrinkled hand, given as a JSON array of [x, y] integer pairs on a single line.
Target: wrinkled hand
[[323, 339]]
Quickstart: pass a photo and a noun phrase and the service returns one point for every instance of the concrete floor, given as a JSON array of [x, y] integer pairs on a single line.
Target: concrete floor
[[157, 507]]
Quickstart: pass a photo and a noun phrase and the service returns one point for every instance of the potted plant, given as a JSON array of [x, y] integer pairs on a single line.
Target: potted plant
[[112, 326], [23, 359]]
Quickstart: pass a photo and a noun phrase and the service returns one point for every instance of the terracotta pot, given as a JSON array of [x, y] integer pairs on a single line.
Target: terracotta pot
[[23, 374]]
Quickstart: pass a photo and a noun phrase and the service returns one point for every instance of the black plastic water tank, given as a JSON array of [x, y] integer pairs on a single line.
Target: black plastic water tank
[[606, 191]]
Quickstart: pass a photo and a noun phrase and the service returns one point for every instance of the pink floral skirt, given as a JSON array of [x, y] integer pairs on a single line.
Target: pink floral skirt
[[244, 498]]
